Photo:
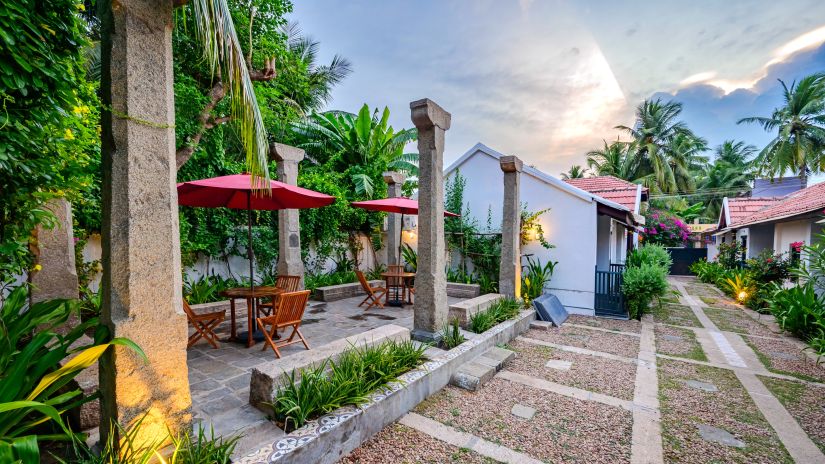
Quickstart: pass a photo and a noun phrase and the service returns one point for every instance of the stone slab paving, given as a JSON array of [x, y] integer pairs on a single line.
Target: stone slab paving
[[576, 349], [745, 355], [587, 338], [805, 402], [646, 447], [219, 378]]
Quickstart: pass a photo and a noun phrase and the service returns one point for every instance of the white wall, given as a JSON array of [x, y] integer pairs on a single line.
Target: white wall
[[786, 233], [603, 242], [570, 225]]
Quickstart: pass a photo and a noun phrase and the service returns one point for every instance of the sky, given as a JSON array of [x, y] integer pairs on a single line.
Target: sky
[[549, 80]]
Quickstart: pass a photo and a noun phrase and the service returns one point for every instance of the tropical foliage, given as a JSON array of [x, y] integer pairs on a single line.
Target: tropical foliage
[[575, 172], [799, 124], [664, 229], [500, 311]]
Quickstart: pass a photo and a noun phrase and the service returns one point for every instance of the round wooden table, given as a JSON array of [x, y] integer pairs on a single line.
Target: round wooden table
[[403, 277], [250, 295]]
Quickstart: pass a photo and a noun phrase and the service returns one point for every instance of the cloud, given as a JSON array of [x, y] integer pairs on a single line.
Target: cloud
[[712, 112]]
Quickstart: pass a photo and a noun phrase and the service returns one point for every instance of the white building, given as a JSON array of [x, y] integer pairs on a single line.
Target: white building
[[588, 230]]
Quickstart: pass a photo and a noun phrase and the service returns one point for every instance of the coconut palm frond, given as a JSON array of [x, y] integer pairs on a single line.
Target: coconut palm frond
[[222, 51]]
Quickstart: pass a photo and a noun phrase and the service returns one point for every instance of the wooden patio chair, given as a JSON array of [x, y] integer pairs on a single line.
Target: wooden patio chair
[[288, 313], [288, 283], [374, 294], [204, 325], [395, 268]]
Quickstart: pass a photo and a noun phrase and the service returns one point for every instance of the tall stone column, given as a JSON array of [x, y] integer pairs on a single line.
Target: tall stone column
[[141, 247], [289, 228], [394, 180], [57, 277], [509, 274], [430, 310]]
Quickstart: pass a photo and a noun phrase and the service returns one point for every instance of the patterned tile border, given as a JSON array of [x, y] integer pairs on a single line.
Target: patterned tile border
[[319, 429]]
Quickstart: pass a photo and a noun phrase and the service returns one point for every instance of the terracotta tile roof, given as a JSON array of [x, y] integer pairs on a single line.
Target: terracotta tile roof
[[610, 188], [741, 208], [803, 201]]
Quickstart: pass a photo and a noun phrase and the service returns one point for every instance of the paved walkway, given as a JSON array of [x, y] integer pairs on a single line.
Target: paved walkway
[[699, 394]]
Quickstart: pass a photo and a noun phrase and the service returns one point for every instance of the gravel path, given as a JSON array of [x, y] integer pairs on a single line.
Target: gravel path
[[614, 378], [563, 429], [720, 301], [783, 357], [596, 340], [730, 408], [737, 321], [680, 342], [400, 444], [631, 326], [806, 404], [675, 314]]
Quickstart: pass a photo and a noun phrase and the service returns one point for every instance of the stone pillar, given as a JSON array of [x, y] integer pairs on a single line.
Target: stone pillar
[[430, 310], [141, 247], [394, 180], [289, 228], [57, 277], [509, 274]]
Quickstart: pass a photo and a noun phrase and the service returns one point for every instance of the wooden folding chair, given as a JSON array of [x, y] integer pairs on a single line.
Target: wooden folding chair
[[204, 325], [374, 294], [395, 268], [288, 313], [288, 283]]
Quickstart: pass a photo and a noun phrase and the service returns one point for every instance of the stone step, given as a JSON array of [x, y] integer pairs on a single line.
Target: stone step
[[246, 422], [496, 357], [541, 325], [472, 375]]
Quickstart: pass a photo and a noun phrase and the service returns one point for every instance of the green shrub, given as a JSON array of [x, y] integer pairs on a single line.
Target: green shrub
[[799, 310], [706, 271], [312, 392], [451, 335], [641, 284], [498, 312], [730, 254], [652, 254]]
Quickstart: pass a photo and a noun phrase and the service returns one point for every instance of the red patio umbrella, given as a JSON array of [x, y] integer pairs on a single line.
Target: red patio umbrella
[[238, 191], [402, 205]]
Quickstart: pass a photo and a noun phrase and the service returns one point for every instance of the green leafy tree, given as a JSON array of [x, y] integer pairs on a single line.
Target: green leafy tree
[[799, 145], [47, 130], [617, 159], [730, 174]]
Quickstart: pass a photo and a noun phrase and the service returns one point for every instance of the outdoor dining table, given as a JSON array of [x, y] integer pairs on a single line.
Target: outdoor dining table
[[250, 295], [403, 276]]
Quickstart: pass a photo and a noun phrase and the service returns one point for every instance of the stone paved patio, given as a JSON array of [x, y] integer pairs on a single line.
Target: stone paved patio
[[219, 378]]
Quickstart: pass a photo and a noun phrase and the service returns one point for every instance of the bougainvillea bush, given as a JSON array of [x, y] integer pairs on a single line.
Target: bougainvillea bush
[[664, 229]]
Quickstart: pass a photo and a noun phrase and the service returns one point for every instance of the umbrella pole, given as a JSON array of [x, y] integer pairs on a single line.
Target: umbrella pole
[[400, 238], [250, 253]]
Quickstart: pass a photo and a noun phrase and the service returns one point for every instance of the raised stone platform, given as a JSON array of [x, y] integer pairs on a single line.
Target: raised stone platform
[[267, 377], [464, 310], [459, 290], [343, 291]]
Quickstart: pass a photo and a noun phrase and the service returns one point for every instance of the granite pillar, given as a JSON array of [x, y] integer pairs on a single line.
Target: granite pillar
[[57, 277], [141, 283], [289, 226], [430, 310], [394, 180], [509, 274]]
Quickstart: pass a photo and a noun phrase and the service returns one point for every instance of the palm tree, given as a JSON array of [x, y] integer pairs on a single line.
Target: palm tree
[[344, 140], [800, 130], [322, 78], [730, 174], [653, 133], [222, 52], [575, 172], [616, 159], [686, 160]]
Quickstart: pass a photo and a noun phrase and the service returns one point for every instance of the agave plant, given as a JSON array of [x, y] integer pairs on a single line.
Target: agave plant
[[37, 363]]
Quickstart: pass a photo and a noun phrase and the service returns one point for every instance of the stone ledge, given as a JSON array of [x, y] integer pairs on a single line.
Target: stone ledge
[[464, 310], [326, 439], [343, 291], [265, 379], [215, 306], [459, 290]]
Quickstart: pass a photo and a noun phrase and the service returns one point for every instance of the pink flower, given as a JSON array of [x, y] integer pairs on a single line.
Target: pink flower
[[661, 225]]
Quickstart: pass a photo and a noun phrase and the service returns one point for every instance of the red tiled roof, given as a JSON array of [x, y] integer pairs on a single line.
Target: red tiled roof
[[802, 201], [610, 188], [741, 208]]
